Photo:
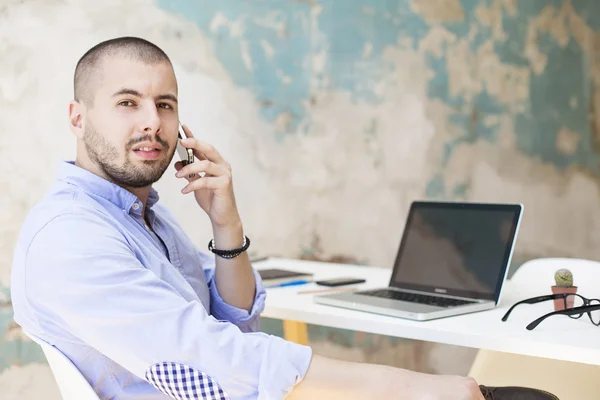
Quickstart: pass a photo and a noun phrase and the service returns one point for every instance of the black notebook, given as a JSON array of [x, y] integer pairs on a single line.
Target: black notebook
[[274, 276]]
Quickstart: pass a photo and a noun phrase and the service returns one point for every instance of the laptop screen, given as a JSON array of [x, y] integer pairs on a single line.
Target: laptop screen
[[460, 249]]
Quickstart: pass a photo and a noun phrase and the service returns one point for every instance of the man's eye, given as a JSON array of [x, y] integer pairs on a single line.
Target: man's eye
[[126, 103], [164, 105]]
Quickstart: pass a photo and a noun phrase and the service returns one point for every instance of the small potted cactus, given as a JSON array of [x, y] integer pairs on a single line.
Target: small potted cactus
[[564, 284]]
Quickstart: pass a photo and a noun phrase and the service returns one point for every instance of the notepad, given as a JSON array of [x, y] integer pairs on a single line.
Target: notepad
[[276, 276]]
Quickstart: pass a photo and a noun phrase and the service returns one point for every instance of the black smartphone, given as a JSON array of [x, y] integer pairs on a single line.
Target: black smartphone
[[340, 281]]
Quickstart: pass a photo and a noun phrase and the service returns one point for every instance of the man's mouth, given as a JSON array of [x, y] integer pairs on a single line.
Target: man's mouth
[[147, 153], [147, 149]]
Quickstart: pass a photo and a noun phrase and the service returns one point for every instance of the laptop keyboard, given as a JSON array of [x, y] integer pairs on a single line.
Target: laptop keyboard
[[415, 298]]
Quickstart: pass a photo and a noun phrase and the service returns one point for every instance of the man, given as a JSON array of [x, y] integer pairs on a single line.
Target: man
[[103, 271]]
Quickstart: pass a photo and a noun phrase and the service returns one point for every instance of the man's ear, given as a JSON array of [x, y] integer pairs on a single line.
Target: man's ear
[[76, 120]]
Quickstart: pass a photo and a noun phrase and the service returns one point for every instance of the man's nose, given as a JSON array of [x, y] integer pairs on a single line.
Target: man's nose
[[150, 121]]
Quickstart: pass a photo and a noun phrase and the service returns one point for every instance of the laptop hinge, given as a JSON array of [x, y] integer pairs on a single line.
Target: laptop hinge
[[435, 294]]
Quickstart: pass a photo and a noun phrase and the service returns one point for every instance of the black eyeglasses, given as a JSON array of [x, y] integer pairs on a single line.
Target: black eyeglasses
[[575, 306]]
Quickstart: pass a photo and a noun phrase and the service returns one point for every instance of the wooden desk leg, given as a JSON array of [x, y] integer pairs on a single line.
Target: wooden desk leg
[[295, 331]]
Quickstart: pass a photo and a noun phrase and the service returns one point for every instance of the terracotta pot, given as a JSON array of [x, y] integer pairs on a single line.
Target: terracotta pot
[[559, 304]]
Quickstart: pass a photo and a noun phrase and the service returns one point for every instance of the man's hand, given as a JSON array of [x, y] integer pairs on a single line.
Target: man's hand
[[449, 387], [213, 191]]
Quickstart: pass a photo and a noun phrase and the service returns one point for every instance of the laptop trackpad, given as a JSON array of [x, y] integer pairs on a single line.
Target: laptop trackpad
[[389, 303]]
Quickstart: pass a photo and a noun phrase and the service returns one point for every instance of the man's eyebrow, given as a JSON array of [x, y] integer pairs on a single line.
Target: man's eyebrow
[[171, 97], [132, 92], [135, 93]]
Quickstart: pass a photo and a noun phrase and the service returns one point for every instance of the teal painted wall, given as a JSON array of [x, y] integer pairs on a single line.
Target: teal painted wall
[[559, 96]]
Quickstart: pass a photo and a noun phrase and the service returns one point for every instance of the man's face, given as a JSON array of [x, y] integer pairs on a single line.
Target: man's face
[[131, 129]]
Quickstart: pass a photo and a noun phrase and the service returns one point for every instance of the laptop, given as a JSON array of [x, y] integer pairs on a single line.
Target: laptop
[[453, 259]]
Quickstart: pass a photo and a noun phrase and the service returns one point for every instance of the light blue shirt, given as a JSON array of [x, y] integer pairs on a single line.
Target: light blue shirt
[[121, 303]]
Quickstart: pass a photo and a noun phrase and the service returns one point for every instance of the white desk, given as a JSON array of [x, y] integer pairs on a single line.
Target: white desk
[[558, 337]]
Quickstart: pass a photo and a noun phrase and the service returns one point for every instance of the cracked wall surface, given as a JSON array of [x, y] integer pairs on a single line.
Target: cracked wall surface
[[335, 115]]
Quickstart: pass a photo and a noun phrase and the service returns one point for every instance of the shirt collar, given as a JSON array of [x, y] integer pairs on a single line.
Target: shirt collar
[[87, 181]]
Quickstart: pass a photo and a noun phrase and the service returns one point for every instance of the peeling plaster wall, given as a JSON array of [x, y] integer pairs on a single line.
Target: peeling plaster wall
[[334, 115]]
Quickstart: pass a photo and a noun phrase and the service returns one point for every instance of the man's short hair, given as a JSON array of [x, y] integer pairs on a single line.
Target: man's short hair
[[88, 66]]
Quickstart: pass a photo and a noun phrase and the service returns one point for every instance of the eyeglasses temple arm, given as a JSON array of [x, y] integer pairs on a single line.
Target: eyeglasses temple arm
[[533, 300]]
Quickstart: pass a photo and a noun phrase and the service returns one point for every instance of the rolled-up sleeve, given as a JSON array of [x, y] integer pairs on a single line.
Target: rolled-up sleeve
[[246, 321], [81, 274]]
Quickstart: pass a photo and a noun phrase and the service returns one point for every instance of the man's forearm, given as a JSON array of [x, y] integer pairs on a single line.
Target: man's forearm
[[332, 379], [234, 277], [339, 380]]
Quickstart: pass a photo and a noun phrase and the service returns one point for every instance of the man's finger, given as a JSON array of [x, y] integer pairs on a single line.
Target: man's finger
[[212, 183], [189, 134], [208, 167], [187, 131], [203, 150]]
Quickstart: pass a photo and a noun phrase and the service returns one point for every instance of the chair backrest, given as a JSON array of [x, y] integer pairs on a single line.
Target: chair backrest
[[537, 276], [71, 383]]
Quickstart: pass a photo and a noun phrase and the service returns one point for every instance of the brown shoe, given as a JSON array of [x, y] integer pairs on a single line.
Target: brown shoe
[[515, 393]]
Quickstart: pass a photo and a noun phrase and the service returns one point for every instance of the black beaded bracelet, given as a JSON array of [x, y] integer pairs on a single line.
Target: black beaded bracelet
[[229, 253]]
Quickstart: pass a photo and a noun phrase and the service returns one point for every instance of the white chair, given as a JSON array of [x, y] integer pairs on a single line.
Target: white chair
[[71, 383], [567, 380]]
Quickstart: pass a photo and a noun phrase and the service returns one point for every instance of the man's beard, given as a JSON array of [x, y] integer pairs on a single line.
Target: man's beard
[[106, 156]]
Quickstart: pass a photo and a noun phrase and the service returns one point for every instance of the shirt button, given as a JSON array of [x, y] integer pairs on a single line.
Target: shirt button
[[136, 206]]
